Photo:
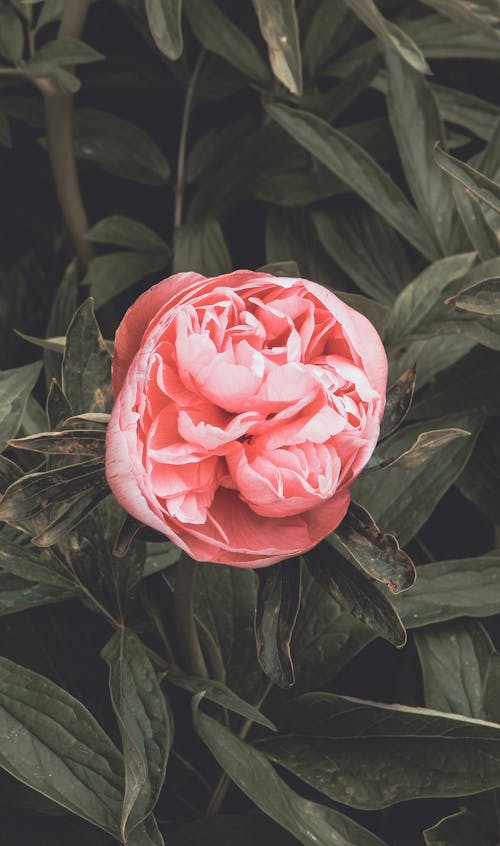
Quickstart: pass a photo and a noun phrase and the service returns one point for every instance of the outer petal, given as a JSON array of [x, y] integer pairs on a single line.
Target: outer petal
[[361, 333], [131, 329]]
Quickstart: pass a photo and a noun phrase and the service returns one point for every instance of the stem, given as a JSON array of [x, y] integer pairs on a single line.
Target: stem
[[155, 617], [181, 159], [58, 106], [224, 782], [184, 617]]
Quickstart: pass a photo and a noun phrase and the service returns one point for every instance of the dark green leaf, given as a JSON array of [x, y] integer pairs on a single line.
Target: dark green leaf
[[61, 51], [113, 273], [481, 235], [432, 357], [145, 725], [480, 481], [201, 247], [490, 706], [464, 109], [17, 594], [398, 402], [357, 169], [62, 310], [367, 250], [368, 755], [210, 150], [324, 34], [310, 823], [480, 186], [417, 126], [122, 231], [15, 388], [55, 746], [86, 368], [279, 27], [164, 18], [11, 35], [219, 34], [416, 302], [33, 567], [9, 473], [278, 602], [410, 496], [460, 829], [219, 693], [160, 556], [58, 407], [119, 147], [359, 538], [244, 829], [74, 442], [423, 448], [356, 594], [390, 35], [454, 658], [481, 298], [282, 268], [56, 344], [326, 637], [478, 15], [446, 590]]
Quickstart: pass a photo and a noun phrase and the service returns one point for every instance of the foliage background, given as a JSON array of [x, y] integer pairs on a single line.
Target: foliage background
[[198, 149]]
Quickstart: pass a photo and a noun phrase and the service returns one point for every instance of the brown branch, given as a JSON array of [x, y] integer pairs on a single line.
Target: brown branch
[[58, 106]]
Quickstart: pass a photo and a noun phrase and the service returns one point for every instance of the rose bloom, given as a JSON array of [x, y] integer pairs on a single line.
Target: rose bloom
[[246, 404]]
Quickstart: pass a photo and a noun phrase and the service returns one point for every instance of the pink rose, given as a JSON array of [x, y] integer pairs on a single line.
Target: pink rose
[[246, 405]]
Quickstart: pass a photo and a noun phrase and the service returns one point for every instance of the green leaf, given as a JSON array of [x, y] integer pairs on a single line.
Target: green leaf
[[310, 823], [54, 745], [490, 706], [219, 693], [478, 15], [454, 658], [280, 29], [390, 35], [481, 235], [423, 448], [480, 481], [416, 302], [145, 725], [479, 185], [26, 564], [460, 829], [15, 387], [86, 368], [225, 600], [210, 150], [5, 136], [368, 755], [219, 34], [282, 268], [122, 231], [417, 126], [62, 51], [367, 250], [74, 442], [359, 539], [278, 602], [164, 18], [464, 109], [445, 590], [201, 247], [113, 273], [410, 496], [18, 594], [11, 35], [326, 637], [398, 402], [119, 147], [61, 312], [325, 34], [357, 169], [356, 594], [481, 298], [244, 829]]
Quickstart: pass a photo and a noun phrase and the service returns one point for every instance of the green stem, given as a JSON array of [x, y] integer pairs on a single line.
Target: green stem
[[181, 159], [184, 618], [58, 108]]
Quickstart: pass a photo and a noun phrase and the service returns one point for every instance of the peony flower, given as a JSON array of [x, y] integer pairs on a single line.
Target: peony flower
[[246, 404]]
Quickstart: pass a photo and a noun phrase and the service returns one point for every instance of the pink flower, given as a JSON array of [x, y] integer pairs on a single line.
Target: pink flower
[[246, 405]]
